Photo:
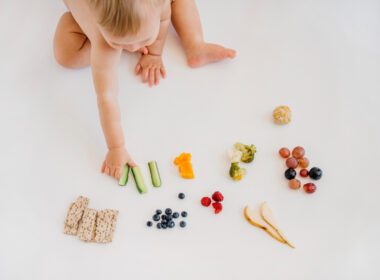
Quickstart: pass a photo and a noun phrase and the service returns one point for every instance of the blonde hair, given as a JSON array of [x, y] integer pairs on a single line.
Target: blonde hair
[[122, 17]]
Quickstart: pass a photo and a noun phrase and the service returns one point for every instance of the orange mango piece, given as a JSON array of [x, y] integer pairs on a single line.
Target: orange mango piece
[[184, 166]]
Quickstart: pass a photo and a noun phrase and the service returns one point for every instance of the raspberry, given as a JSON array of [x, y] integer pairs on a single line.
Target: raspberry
[[206, 201], [217, 196], [218, 207]]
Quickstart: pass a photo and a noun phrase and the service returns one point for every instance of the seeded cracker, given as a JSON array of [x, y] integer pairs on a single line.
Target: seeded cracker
[[86, 229], [74, 215]]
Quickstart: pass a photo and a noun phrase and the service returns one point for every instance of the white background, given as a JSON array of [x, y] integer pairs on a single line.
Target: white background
[[320, 57]]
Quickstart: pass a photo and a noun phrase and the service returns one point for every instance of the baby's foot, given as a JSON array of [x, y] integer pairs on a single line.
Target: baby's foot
[[205, 53]]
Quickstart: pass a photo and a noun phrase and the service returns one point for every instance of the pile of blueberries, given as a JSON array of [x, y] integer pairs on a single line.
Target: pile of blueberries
[[167, 219]]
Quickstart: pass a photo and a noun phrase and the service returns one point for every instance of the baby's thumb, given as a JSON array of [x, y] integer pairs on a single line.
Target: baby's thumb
[[144, 50]]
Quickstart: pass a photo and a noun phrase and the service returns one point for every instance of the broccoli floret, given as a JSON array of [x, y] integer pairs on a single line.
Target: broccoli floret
[[248, 152], [236, 172]]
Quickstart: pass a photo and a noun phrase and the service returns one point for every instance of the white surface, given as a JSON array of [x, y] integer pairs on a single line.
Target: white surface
[[320, 57]]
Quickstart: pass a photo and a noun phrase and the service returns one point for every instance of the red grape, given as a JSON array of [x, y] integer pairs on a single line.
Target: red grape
[[294, 184], [298, 152], [304, 172], [310, 187], [284, 152], [303, 162], [292, 163]]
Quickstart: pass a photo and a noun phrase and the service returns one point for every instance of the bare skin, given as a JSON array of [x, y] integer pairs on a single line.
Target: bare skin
[[80, 42]]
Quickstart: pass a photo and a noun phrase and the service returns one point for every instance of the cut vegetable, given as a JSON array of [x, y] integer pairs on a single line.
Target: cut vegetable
[[139, 180], [154, 173], [124, 176]]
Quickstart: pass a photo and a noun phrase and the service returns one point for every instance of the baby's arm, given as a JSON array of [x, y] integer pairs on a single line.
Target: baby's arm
[[104, 64], [150, 65]]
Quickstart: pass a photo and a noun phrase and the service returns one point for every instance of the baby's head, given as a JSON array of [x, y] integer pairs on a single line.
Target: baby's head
[[128, 24]]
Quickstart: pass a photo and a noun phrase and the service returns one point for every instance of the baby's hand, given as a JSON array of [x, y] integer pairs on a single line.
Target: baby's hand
[[150, 67], [115, 161]]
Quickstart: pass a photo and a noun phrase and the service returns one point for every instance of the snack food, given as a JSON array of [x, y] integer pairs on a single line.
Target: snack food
[[236, 172], [139, 180], [74, 215], [282, 115], [87, 225], [105, 225], [264, 220], [183, 161], [124, 176], [154, 173], [315, 173]]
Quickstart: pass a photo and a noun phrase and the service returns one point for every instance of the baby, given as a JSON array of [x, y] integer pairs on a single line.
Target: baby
[[95, 32]]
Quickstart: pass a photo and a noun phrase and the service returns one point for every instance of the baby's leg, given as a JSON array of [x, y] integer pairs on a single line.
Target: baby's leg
[[187, 23], [71, 45]]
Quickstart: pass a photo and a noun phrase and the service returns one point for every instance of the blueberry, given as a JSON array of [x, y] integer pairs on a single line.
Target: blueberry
[[168, 211], [184, 214], [315, 173], [175, 215], [181, 195], [158, 212], [164, 226], [182, 224], [149, 224], [290, 174], [163, 217], [158, 225], [156, 218], [171, 224], [169, 218]]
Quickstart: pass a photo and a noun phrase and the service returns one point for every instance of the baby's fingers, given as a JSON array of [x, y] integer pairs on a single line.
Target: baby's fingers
[[138, 69], [151, 76], [107, 171], [117, 173], [103, 167], [145, 74], [163, 72], [157, 74]]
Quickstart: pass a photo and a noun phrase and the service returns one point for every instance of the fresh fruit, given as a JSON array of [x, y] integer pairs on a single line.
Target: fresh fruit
[[298, 152], [218, 207], [158, 212], [182, 224], [267, 215], [124, 176], [156, 218], [309, 187], [168, 211], [175, 215], [303, 162], [154, 173], [217, 196], [255, 219], [294, 184], [206, 201], [184, 165], [282, 115], [164, 225], [290, 174], [181, 195], [284, 152], [304, 173], [315, 173], [171, 224], [139, 180], [292, 162], [149, 224], [158, 225], [184, 214]]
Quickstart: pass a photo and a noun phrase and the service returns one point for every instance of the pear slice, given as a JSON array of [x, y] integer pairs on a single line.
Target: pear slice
[[267, 215], [255, 219]]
